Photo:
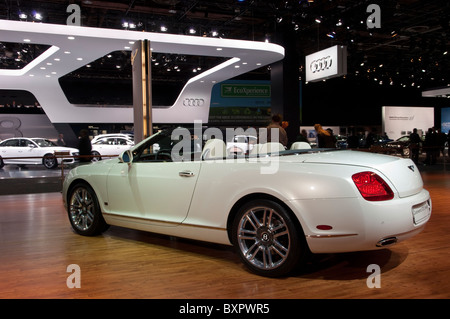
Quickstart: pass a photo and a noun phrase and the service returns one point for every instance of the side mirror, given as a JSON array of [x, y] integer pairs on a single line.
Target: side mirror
[[126, 157]]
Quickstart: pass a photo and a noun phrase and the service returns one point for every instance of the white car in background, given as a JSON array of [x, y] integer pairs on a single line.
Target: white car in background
[[274, 208], [242, 144], [34, 151], [123, 135], [110, 146]]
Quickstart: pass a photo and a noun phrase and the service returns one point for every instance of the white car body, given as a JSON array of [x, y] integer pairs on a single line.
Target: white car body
[[34, 151], [126, 136], [110, 146], [199, 199]]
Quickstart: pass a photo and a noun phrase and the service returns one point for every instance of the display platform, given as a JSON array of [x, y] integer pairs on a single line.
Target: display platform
[[30, 179]]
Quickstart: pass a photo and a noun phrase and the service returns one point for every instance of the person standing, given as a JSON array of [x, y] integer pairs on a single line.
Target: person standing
[[84, 146], [280, 131], [414, 145], [324, 137], [60, 141]]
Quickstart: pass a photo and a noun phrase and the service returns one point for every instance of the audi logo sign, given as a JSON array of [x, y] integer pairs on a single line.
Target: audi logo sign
[[193, 102], [326, 64], [321, 64]]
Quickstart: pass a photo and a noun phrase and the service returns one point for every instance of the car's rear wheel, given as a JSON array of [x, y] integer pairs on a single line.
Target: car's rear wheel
[[49, 161], [1, 163], [84, 211], [268, 240]]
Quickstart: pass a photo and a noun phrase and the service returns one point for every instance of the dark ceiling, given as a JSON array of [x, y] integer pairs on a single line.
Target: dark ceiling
[[408, 50]]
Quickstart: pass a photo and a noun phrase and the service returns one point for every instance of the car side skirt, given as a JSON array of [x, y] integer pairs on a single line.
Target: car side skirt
[[191, 231]]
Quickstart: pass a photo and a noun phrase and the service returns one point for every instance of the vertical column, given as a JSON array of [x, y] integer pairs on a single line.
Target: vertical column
[[286, 85], [142, 90]]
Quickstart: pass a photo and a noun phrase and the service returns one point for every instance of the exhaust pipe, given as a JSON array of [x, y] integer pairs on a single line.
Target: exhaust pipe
[[387, 242]]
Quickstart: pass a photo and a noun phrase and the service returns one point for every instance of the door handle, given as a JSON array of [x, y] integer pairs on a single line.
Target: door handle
[[186, 174]]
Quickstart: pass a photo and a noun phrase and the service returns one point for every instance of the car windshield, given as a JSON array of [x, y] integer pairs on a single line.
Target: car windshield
[[42, 142], [169, 145]]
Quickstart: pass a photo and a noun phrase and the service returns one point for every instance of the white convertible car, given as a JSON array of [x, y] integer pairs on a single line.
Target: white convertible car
[[275, 208]]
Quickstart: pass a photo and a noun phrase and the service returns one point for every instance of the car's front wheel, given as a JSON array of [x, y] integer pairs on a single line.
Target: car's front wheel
[[50, 161], [267, 239], [96, 156], [84, 211]]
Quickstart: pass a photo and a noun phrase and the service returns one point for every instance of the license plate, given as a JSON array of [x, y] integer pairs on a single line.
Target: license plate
[[421, 212]]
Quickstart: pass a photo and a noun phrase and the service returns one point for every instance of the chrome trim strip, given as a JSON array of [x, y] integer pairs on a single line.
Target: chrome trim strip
[[330, 236], [155, 222]]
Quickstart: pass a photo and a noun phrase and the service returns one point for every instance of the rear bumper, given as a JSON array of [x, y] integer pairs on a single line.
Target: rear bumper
[[358, 225]]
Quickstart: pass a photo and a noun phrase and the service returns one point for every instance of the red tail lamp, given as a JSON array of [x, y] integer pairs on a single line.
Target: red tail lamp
[[372, 187]]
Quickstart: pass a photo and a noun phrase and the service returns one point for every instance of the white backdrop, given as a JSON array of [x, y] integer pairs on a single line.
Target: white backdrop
[[401, 120]]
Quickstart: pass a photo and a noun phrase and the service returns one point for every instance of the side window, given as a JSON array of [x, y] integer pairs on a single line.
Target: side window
[[25, 143], [11, 143]]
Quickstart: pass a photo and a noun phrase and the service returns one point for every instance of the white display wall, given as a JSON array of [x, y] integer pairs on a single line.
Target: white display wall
[[401, 120]]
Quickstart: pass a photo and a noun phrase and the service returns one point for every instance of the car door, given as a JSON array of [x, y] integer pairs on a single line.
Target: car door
[[30, 152], [153, 187], [10, 151]]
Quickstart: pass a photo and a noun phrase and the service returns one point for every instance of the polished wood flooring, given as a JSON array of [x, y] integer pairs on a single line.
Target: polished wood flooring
[[37, 246]]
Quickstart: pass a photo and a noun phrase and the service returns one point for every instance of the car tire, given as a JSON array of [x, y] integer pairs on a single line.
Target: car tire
[[84, 211], [50, 161], [267, 238], [96, 156], [1, 163]]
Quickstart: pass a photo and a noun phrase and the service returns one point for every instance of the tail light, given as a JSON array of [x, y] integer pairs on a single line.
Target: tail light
[[372, 187]]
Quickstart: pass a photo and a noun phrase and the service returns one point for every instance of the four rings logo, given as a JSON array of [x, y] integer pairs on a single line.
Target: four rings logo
[[193, 102], [321, 64]]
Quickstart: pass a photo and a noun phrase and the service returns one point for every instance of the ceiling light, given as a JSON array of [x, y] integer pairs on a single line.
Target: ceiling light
[[26, 40], [192, 31], [163, 28], [318, 20]]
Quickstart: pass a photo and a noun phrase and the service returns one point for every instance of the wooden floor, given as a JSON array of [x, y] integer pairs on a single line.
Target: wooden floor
[[37, 246]]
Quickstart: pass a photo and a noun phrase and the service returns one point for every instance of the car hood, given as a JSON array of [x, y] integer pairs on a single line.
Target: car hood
[[402, 173]]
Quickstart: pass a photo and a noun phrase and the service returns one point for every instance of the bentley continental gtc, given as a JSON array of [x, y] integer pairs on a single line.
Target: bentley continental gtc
[[275, 206]]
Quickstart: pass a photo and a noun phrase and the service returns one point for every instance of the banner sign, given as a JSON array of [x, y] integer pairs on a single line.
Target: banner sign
[[445, 119], [326, 64], [245, 90], [241, 102]]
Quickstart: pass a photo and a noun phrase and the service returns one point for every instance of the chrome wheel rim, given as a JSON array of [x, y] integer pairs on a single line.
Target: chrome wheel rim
[[82, 209], [49, 161], [264, 238]]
